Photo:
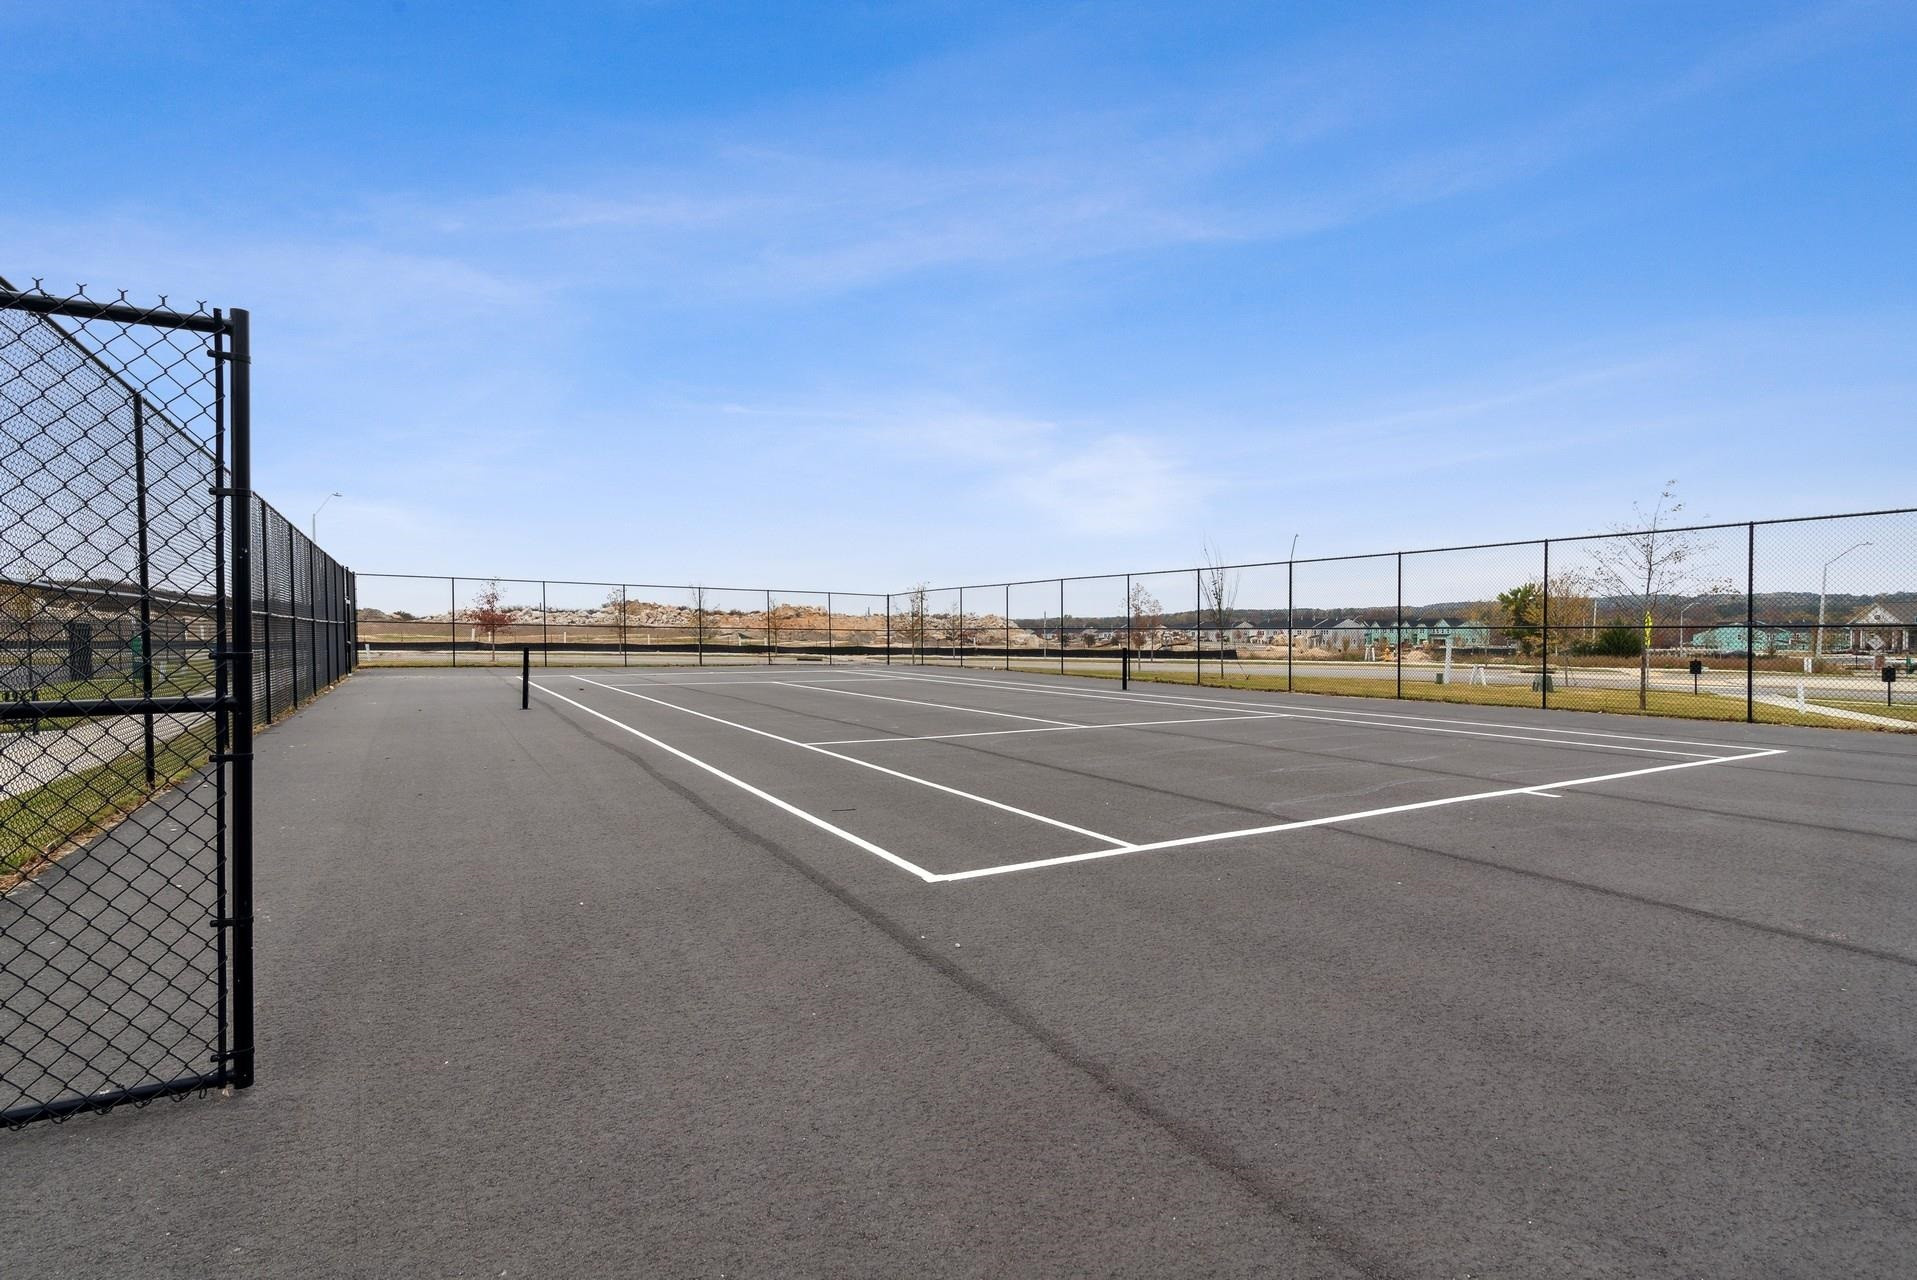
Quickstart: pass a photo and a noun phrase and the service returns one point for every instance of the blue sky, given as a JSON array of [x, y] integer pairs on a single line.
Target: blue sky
[[864, 294]]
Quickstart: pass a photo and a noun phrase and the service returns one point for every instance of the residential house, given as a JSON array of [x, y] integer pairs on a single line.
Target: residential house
[[1732, 639], [1879, 628]]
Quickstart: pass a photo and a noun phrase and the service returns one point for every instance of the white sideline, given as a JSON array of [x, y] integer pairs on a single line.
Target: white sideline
[[1374, 720], [863, 764], [745, 786], [1000, 733], [1184, 841]]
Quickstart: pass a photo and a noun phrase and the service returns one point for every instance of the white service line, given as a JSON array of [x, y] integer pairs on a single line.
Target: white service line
[[1274, 828], [864, 764], [1409, 724], [1000, 733], [943, 706], [687, 684], [1037, 686], [745, 786]]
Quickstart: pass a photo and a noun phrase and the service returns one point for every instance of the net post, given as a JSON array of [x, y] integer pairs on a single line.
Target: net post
[[1125, 661], [525, 677]]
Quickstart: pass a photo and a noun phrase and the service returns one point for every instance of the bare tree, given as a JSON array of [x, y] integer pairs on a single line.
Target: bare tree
[[1220, 588], [911, 624], [1148, 615], [700, 613], [488, 614], [1646, 564]]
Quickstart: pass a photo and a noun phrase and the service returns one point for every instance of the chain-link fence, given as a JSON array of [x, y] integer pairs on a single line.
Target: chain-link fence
[[1805, 621], [134, 564], [412, 619]]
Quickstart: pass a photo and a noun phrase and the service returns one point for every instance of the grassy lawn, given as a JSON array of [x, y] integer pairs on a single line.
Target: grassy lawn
[[37, 825], [187, 678]]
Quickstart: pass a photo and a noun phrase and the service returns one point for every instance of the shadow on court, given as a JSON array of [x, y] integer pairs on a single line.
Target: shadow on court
[[868, 971]]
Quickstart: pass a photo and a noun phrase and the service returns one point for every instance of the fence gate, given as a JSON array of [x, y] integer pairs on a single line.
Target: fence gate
[[126, 672]]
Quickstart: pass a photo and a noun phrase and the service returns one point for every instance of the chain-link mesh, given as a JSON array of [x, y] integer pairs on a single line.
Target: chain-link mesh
[[1807, 621], [117, 792]]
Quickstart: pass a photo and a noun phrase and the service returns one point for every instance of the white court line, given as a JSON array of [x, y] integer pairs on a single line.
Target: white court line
[[863, 764], [1185, 841], [1000, 733], [943, 706], [743, 785], [1036, 686], [1409, 724], [683, 684]]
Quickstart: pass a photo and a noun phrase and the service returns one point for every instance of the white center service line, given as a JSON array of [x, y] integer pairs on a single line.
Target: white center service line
[[863, 764]]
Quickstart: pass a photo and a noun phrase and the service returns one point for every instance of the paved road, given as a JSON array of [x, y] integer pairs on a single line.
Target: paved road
[[33, 759], [542, 998]]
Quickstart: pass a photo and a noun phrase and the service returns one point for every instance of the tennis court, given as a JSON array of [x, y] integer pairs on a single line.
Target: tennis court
[[959, 777], [854, 970]]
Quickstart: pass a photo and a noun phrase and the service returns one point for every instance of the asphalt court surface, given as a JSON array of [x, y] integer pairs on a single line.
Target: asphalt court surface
[[1542, 995], [972, 775]]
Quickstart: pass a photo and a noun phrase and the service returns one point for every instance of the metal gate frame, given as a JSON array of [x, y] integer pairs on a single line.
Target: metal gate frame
[[230, 929]]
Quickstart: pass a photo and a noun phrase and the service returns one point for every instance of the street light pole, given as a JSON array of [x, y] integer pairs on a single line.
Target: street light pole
[[312, 524], [1817, 646]]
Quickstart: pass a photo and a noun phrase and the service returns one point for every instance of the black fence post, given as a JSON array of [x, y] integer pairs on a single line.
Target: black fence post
[[1061, 626], [888, 628], [1544, 632], [1198, 621], [1125, 663], [1750, 624], [525, 677], [768, 628], [292, 618], [146, 582], [1008, 626], [239, 647], [312, 618], [828, 628], [266, 607], [1291, 629], [452, 616], [1397, 633], [624, 604], [545, 638], [961, 628]]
